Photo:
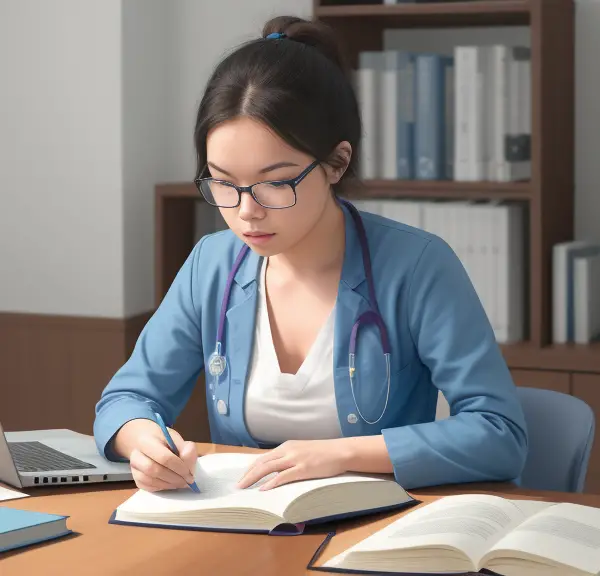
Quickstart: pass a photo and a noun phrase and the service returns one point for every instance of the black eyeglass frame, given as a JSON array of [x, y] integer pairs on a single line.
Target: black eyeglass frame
[[291, 182]]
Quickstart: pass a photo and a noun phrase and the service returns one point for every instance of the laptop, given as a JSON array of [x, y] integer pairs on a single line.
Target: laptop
[[55, 457]]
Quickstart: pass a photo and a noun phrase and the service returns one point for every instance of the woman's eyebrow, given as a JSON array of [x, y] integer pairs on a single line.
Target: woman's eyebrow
[[261, 171]]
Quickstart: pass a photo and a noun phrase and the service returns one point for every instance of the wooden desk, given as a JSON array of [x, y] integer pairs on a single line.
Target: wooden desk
[[101, 548]]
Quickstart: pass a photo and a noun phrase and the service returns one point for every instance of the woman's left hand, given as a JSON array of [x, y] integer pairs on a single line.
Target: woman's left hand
[[299, 460]]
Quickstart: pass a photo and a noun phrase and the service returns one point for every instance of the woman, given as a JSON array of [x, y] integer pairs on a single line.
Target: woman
[[281, 112]]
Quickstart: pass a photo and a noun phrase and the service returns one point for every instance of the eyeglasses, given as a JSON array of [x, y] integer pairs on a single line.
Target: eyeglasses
[[275, 194]]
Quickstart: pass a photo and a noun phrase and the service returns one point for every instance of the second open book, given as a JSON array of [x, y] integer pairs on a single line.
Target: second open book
[[475, 532], [286, 509]]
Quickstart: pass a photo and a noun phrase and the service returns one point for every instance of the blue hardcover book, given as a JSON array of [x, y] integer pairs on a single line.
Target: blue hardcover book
[[432, 115], [20, 528], [290, 509], [406, 117]]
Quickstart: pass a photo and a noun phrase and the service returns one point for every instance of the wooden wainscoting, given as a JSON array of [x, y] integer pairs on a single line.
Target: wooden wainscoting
[[54, 368]]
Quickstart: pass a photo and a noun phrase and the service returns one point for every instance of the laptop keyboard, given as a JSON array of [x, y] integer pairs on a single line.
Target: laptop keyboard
[[37, 457]]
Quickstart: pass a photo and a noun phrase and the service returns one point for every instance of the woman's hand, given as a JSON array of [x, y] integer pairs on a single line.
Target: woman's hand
[[299, 460], [153, 466]]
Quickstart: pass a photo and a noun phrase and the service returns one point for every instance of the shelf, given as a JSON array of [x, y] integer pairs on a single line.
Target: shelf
[[179, 190], [438, 189], [438, 14], [563, 357], [443, 189]]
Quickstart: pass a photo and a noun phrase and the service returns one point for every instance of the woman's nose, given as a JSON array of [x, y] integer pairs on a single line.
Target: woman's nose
[[249, 208]]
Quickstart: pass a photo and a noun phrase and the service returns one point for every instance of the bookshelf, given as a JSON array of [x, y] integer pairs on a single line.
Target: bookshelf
[[548, 196]]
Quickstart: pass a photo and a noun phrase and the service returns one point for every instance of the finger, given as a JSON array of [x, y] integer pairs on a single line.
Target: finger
[[151, 469], [149, 484], [259, 472], [158, 451], [272, 455], [292, 474], [189, 455], [177, 439]]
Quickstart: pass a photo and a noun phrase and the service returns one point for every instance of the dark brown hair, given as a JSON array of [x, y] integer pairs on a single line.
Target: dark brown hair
[[298, 85]]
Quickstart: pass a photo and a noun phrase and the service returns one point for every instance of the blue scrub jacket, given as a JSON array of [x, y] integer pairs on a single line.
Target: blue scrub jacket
[[440, 339]]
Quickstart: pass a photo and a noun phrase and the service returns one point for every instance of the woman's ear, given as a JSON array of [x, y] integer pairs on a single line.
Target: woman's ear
[[338, 162]]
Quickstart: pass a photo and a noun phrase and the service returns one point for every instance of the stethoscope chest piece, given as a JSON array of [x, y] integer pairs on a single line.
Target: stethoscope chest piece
[[216, 364]]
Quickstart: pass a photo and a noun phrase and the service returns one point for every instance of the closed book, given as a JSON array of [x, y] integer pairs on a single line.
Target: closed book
[[287, 509], [563, 257], [19, 528], [368, 88], [430, 121], [586, 298]]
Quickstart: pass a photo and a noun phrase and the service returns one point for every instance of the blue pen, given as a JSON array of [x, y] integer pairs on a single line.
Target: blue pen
[[161, 423]]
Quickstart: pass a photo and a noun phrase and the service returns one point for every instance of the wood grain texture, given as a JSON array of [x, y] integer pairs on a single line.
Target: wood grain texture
[[99, 548], [55, 367], [545, 379]]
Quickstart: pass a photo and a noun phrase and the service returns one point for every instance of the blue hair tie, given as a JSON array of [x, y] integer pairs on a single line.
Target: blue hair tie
[[275, 36]]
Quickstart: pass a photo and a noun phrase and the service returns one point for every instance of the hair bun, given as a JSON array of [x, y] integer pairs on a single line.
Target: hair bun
[[312, 33]]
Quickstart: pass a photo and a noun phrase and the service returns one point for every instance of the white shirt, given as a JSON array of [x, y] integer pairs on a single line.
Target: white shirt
[[280, 406]]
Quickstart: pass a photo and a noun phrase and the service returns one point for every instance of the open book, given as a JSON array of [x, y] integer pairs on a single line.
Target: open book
[[476, 532], [286, 509]]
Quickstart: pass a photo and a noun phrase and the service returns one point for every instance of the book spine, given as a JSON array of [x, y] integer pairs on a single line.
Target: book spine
[[449, 97], [461, 114], [368, 79], [517, 146], [559, 294], [388, 118], [516, 286], [581, 289], [429, 130], [406, 121], [479, 153]]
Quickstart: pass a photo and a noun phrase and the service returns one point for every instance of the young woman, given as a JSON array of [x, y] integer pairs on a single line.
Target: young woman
[[325, 333]]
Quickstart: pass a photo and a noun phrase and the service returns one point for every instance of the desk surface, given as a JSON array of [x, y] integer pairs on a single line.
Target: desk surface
[[97, 547]]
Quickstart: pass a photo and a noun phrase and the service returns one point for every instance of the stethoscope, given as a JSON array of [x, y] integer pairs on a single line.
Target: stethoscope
[[218, 362]]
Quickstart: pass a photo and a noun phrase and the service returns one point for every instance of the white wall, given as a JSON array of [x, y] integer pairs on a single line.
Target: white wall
[[204, 31], [97, 104], [146, 36], [61, 240], [587, 120]]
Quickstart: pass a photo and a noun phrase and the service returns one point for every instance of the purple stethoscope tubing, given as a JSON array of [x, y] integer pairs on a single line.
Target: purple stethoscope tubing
[[217, 362]]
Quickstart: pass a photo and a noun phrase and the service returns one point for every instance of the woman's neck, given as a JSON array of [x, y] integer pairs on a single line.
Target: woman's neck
[[321, 251]]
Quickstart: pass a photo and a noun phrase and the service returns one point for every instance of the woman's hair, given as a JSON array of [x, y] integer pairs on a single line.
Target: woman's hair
[[298, 85]]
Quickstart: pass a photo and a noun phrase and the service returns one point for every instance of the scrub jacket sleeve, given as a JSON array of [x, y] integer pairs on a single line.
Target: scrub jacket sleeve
[[163, 368], [485, 437]]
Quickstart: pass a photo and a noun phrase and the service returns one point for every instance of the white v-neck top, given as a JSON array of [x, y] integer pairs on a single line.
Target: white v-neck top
[[280, 406]]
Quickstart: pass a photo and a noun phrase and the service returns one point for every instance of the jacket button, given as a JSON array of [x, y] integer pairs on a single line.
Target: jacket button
[[221, 407], [352, 419]]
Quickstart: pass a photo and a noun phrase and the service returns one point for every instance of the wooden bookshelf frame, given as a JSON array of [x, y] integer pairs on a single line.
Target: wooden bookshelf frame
[[549, 195], [550, 192]]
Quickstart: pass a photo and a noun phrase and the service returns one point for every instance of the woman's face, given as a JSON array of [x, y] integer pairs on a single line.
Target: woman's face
[[244, 151]]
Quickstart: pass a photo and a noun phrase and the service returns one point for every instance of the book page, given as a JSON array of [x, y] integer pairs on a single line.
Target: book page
[[8, 494], [217, 476], [563, 533], [471, 523]]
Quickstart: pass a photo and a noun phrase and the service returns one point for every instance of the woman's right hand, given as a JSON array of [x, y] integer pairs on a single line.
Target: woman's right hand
[[153, 464]]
